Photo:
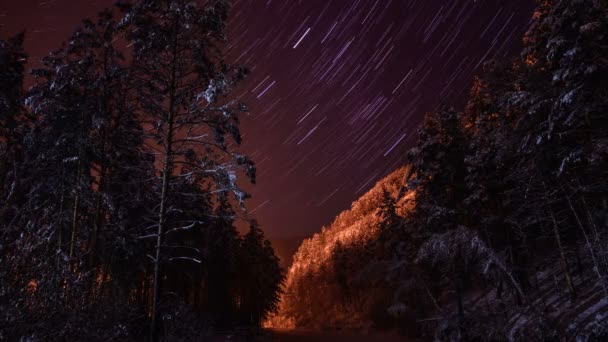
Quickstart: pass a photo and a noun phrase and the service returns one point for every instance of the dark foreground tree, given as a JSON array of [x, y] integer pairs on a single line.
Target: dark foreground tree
[[126, 160], [261, 280], [12, 61], [182, 83], [439, 167]]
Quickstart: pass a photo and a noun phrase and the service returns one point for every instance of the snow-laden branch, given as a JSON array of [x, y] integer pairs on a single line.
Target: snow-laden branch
[[182, 246], [186, 258], [464, 243], [188, 227], [147, 236]]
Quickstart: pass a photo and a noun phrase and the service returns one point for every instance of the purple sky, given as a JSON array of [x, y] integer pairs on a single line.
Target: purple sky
[[337, 90]]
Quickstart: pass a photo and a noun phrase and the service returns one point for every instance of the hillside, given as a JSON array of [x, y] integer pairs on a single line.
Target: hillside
[[313, 278], [315, 262], [501, 234], [356, 226]]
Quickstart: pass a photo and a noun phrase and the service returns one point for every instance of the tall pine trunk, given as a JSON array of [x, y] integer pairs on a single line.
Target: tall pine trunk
[[4, 164], [106, 109], [73, 230], [167, 169], [596, 234], [97, 216], [74, 227], [60, 223], [560, 247], [75, 208]]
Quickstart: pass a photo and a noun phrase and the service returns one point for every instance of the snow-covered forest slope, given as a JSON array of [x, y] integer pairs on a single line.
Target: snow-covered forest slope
[[337, 258], [497, 228]]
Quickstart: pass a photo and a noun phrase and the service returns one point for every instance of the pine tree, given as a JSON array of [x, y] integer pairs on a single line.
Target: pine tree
[[13, 122], [86, 133], [63, 100], [561, 125], [182, 84], [12, 65], [261, 277], [491, 155], [439, 169], [116, 151]]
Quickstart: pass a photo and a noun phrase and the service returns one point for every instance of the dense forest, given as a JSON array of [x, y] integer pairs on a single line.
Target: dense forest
[[121, 184], [497, 229], [327, 261], [118, 184]]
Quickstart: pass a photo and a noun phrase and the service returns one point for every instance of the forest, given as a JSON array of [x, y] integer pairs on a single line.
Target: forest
[[497, 227], [122, 177], [120, 184]]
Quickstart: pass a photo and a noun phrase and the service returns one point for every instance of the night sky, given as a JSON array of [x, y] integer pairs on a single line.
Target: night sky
[[337, 89]]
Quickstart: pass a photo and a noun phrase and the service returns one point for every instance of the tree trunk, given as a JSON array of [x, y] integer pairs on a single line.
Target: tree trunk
[[107, 110], [97, 216], [75, 209], [596, 234], [60, 223], [433, 300], [458, 288], [4, 164], [73, 228], [161, 227], [579, 261], [8, 157], [562, 255], [518, 289], [96, 224], [596, 266], [167, 169]]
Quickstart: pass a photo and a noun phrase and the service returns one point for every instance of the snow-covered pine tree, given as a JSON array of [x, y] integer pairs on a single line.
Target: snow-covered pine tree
[[182, 86], [62, 150], [439, 167], [560, 168], [491, 154], [570, 35]]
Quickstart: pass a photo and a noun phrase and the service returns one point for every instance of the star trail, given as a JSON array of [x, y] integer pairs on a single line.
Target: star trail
[[337, 88]]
